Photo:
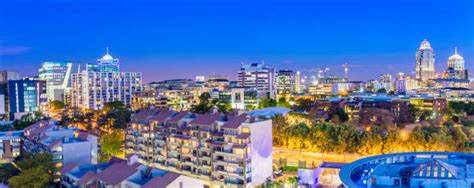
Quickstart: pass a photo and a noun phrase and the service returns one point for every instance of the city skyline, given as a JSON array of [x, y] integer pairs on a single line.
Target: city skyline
[[169, 36]]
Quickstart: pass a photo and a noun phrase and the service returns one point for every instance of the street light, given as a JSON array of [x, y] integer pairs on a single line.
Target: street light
[[404, 135]]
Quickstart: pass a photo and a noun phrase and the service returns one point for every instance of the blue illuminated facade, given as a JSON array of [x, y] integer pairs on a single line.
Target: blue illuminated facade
[[26, 96], [414, 169]]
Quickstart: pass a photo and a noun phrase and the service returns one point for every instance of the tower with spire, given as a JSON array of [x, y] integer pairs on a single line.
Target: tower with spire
[[456, 68], [105, 64], [425, 62]]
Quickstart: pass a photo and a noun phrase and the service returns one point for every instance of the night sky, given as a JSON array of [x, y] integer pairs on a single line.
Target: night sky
[[181, 39]]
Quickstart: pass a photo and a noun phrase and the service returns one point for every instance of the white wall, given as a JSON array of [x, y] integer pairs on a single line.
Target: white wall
[[261, 151], [187, 182], [77, 152]]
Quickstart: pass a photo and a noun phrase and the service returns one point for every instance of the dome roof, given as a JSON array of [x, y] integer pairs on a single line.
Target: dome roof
[[425, 45], [107, 57], [456, 56]]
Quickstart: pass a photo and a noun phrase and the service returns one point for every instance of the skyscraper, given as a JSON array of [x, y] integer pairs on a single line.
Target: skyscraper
[[425, 62], [105, 64], [25, 96], [258, 76], [102, 83], [285, 82], [8, 75], [58, 78], [298, 82], [456, 66]]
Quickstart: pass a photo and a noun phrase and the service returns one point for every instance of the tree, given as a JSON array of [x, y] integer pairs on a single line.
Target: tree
[[283, 103], [111, 106], [381, 90], [56, 105], [36, 171], [114, 116], [25, 121], [112, 145], [414, 111], [371, 144], [339, 116], [266, 102], [204, 98], [279, 126], [303, 104], [7, 170], [223, 106], [204, 104]]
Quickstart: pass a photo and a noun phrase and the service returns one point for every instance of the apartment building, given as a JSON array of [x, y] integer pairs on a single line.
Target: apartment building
[[231, 150], [124, 173], [10, 145], [67, 145]]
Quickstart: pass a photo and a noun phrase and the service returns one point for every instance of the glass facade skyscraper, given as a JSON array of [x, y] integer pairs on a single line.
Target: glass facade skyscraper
[[58, 78], [425, 62], [26, 96]]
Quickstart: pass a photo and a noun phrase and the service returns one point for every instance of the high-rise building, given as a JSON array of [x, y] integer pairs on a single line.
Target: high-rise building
[[285, 82], [298, 88], [92, 88], [259, 76], [456, 68], [8, 75], [226, 151], [405, 83], [24, 96], [58, 79], [105, 64], [425, 62]]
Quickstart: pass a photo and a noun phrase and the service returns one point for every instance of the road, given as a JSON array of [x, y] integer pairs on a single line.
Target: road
[[312, 159]]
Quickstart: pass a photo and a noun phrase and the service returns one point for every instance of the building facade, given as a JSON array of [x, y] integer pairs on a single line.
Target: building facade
[[58, 79], [10, 145], [25, 96], [259, 76], [285, 82], [425, 62], [91, 90], [94, 87], [232, 150], [456, 68], [8, 75]]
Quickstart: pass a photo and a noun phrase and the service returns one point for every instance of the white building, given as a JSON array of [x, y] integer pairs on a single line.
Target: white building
[[66, 144], [259, 76], [456, 68], [229, 151], [425, 62], [92, 89], [8, 75], [58, 79]]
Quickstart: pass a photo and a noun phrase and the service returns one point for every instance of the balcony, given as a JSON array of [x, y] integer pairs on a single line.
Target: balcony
[[234, 181]]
